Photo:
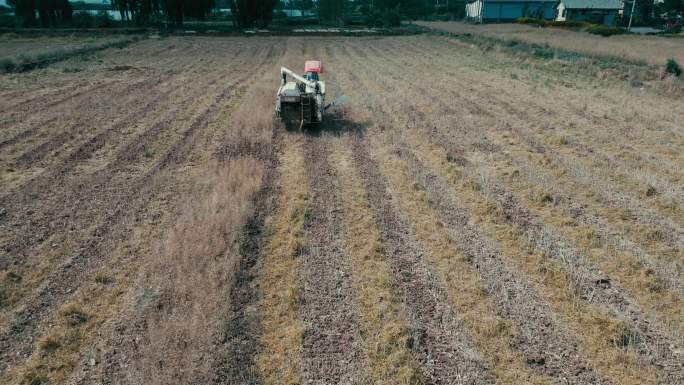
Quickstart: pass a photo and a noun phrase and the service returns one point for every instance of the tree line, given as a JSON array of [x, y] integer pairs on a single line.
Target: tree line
[[51, 13], [47, 13], [245, 13], [176, 11]]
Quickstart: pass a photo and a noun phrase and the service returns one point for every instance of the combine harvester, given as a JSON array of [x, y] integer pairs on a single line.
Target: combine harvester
[[302, 101]]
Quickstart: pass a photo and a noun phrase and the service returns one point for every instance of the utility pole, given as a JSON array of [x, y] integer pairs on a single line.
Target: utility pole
[[631, 16]]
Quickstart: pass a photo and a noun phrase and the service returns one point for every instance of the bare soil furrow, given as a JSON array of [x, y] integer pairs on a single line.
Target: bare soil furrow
[[279, 359], [520, 108], [241, 329], [520, 112], [443, 348], [79, 151], [137, 150], [643, 120], [127, 99], [395, 115], [468, 294], [585, 285], [475, 213], [331, 348], [236, 342], [656, 346], [419, 116], [107, 230], [49, 99], [100, 97], [541, 136], [58, 136], [543, 340]]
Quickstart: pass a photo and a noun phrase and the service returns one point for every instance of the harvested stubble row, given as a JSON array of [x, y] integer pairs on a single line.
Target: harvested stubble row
[[372, 86], [643, 288]]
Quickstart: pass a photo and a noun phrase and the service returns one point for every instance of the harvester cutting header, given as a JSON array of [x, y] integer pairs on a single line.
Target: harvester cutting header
[[302, 101]]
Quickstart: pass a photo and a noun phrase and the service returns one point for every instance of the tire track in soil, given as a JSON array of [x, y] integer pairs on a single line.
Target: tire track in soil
[[63, 282], [331, 351], [444, 350]]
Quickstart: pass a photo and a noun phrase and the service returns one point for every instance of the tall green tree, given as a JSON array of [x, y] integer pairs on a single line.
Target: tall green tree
[[252, 13], [25, 10], [412, 9], [51, 13], [331, 9], [176, 11], [673, 7]]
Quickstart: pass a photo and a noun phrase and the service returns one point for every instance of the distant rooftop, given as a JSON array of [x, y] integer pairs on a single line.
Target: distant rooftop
[[515, 1], [592, 4]]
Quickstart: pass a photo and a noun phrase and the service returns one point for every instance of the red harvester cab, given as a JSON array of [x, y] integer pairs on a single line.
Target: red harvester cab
[[313, 66]]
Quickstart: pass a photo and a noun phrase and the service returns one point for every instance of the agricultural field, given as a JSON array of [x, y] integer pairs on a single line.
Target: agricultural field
[[468, 217], [654, 50]]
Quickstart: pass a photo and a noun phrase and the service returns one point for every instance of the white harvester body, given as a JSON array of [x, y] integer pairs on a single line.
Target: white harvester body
[[302, 100]]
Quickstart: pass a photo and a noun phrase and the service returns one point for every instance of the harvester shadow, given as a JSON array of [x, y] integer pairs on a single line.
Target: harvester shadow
[[337, 124]]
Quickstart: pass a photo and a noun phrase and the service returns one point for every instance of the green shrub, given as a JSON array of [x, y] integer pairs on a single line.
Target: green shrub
[[82, 20], [374, 19], [566, 23], [388, 18], [7, 64], [550, 23], [531, 21], [87, 20], [672, 67], [103, 20], [391, 18], [544, 53], [605, 30], [8, 21]]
